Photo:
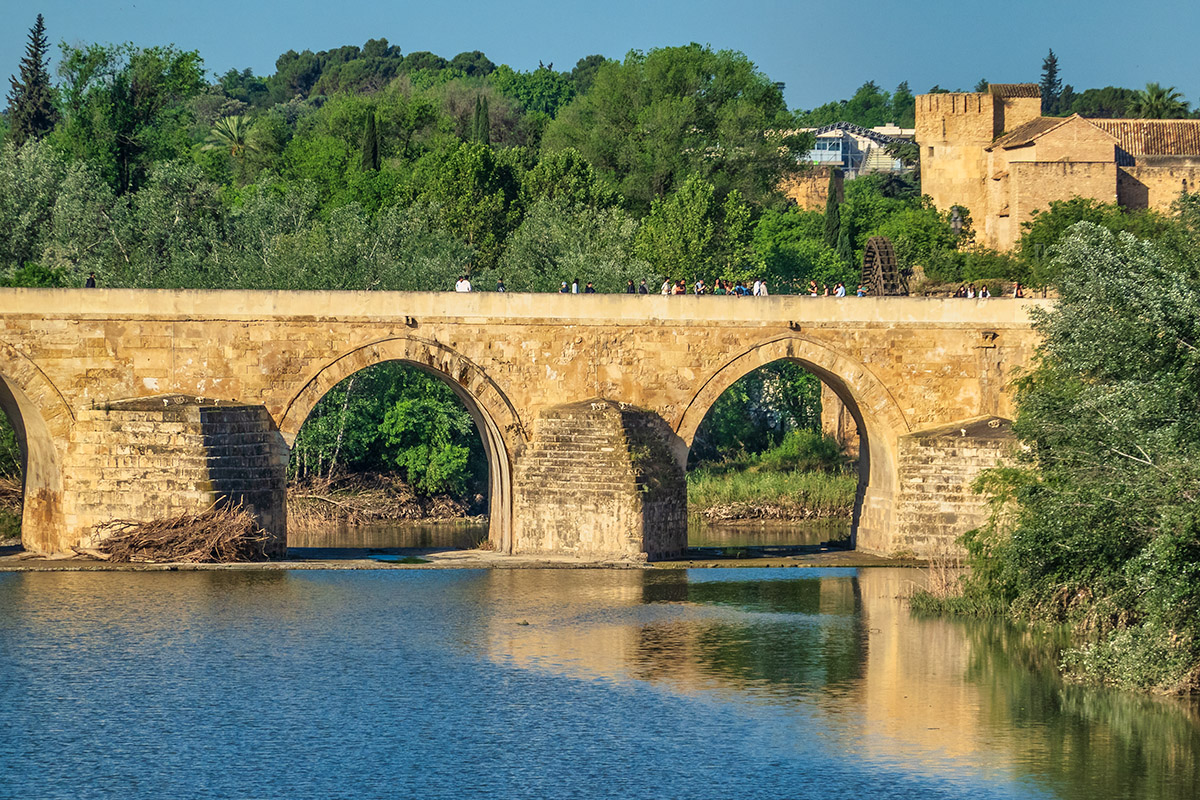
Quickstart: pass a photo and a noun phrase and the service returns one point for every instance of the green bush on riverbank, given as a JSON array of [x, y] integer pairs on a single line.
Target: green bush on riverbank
[[1098, 527]]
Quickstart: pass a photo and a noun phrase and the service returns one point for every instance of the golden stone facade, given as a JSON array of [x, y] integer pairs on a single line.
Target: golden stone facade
[[996, 155], [609, 389]]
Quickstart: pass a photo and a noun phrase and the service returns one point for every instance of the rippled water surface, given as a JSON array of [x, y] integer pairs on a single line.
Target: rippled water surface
[[747, 683]]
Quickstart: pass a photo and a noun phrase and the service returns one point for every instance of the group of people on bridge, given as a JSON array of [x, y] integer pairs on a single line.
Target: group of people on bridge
[[757, 288]]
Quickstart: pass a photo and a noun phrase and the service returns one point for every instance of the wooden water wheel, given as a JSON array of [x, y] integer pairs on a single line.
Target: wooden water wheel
[[881, 273]]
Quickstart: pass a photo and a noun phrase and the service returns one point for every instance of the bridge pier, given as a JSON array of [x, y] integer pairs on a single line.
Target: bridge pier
[[936, 469], [158, 457], [602, 480]]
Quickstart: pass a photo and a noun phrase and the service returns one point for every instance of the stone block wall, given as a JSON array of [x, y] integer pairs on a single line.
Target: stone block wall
[[810, 190], [600, 480], [936, 469], [163, 456], [1157, 185]]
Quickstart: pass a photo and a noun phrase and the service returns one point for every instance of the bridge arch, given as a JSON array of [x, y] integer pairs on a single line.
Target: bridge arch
[[879, 418], [495, 417], [42, 421]]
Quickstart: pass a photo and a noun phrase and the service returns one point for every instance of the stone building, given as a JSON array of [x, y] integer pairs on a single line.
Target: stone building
[[851, 151], [996, 155]]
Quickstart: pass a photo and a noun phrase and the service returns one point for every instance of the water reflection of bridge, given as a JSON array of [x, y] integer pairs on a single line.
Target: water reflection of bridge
[[903, 689]]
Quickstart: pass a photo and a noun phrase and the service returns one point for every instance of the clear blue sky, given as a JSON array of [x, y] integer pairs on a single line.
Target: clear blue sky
[[822, 51]]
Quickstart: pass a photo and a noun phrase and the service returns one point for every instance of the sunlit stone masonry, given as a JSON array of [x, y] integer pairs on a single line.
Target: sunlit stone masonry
[[145, 403]]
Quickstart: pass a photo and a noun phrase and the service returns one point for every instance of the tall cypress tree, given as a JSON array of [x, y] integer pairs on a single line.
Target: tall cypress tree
[[1051, 84], [845, 243], [31, 101], [370, 144], [833, 213], [481, 126]]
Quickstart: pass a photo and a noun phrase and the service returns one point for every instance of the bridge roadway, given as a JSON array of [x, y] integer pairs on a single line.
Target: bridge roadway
[[132, 403]]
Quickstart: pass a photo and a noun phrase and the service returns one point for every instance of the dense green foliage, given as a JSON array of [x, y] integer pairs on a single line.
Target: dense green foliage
[[1039, 237], [757, 412], [393, 416], [652, 121], [1100, 526]]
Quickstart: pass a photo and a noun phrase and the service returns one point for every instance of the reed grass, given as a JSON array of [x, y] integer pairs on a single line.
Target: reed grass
[[782, 494]]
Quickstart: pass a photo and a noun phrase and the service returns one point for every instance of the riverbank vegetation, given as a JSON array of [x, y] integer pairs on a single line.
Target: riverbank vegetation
[[1098, 525], [760, 453], [11, 488]]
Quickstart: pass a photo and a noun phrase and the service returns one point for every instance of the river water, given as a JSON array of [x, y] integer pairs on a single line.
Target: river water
[[457, 535], [562, 683]]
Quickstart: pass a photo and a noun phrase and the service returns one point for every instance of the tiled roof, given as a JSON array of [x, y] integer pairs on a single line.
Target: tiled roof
[[1154, 137], [1026, 133], [1015, 90]]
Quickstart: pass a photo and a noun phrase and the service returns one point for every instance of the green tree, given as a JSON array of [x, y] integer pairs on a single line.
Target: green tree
[[1110, 102], [650, 122], [473, 64], [246, 87], [790, 244], [231, 135], [125, 107], [584, 72], [904, 106], [833, 215], [428, 440], [30, 177], [562, 241], [1103, 528], [481, 127], [1042, 233], [757, 412], [1051, 84], [869, 107], [1158, 102], [845, 242], [542, 91], [348, 430], [566, 176], [692, 234], [678, 238], [31, 110], [370, 144], [474, 190]]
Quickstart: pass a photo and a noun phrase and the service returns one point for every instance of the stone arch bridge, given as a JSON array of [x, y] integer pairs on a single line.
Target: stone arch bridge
[[135, 404]]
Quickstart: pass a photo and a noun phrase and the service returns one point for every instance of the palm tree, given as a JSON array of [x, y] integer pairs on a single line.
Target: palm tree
[[1158, 102], [232, 134]]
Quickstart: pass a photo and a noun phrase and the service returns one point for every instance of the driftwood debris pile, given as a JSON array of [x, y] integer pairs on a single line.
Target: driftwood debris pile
[[11, 493], [357, 498], [218, 535]]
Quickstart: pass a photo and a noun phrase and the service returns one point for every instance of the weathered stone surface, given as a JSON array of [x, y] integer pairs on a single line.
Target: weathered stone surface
[[164, 456], [899, 365], [936, 470], [602, 480]]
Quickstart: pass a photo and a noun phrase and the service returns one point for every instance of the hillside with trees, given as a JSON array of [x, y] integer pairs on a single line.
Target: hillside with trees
[[368, 168]]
